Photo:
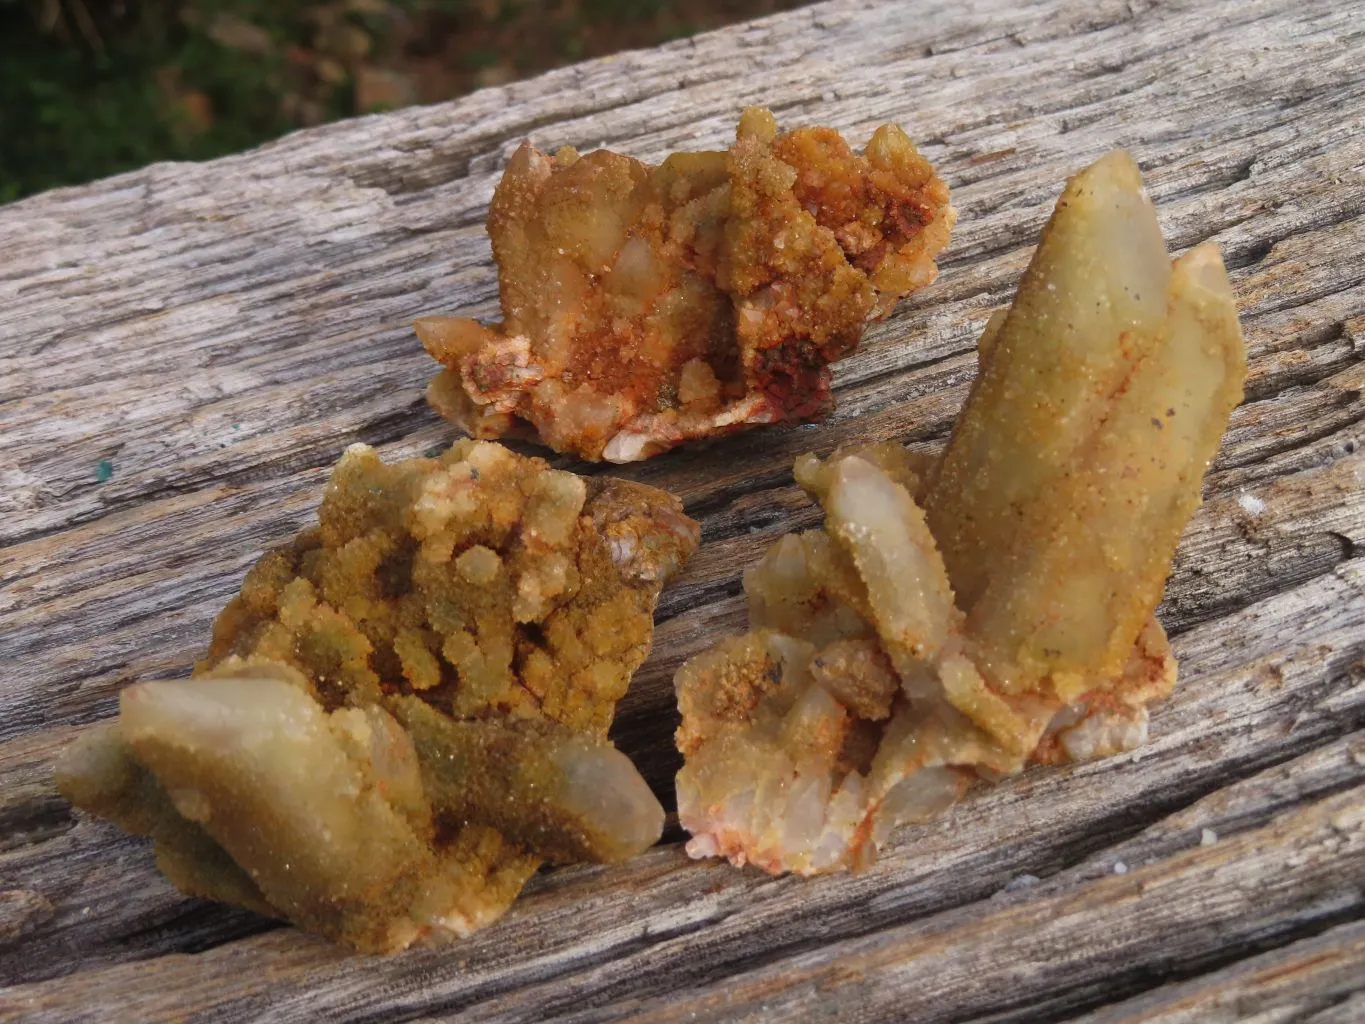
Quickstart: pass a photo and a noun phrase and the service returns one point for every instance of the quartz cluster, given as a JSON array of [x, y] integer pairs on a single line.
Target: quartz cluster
[[404, 712], [647, 306], [956, 619]]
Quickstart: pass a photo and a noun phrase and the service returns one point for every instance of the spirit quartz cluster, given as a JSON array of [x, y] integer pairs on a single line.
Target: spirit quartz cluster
[[404, 712], [960, 619], [647, 306]]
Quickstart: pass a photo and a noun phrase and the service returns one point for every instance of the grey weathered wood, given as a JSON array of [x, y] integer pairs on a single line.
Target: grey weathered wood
[[219, 332], [1314, 979], [1066, 944]]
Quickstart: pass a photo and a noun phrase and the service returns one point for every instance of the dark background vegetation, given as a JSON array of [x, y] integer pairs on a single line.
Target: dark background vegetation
[[92, 87]]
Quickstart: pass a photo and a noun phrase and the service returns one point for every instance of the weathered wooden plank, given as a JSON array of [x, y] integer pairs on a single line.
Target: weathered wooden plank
[[1311, 980], [1298, 870], [220, 332], [924, 984]]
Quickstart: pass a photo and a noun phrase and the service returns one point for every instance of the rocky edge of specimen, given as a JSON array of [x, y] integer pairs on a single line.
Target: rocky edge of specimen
[[647, 306], [960, 618], [404, 712]]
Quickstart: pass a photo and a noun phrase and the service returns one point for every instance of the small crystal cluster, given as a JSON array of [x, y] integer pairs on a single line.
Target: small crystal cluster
[[956, 620], [404, 712], [646, 306]]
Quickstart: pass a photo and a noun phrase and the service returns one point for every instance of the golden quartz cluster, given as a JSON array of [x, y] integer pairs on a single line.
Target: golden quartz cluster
[[647, 306], [958, 619], [403, 714]]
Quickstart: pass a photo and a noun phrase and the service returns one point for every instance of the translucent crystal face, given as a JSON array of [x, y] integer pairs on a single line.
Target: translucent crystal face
[[645, 306], [404, 711], [956, 621]]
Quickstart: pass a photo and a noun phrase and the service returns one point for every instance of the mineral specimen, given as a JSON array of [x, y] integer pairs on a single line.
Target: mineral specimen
[[956, 621], [646, 306], [404, 712]]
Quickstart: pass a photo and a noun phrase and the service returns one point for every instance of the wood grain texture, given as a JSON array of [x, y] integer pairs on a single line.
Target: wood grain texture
[[1314, 979], [214, 335]]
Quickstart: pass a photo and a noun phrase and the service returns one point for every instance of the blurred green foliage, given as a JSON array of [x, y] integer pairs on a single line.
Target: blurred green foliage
[[89, 88], [80, 105]]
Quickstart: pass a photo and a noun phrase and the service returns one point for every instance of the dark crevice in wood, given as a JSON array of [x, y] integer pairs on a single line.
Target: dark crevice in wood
[[852, 386], [1316, 454], [1330, 1004], [647, 739], [1308, 372], [1063, 1004], [1350, 549], [715, 502], [24, 723], [1242, 257], [94, 669], [196, 927], [755, 520], [472, 1000], [1300, 377], [1180, 615], [34, 820], [185, 927], [1348, 400], [18, 716], [695, 598]]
